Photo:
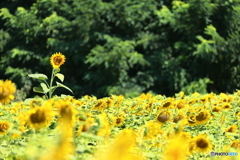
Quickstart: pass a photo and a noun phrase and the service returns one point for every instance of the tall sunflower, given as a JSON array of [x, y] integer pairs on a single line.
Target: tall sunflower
[[7, 89], [57, 60]]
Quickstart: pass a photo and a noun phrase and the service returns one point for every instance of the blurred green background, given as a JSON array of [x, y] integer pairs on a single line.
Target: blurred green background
[[124, 47]]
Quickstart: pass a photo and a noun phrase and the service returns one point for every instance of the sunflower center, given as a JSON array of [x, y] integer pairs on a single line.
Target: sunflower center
[[201, 116], [202, 143], [118, 120], [167, 104], [177, 118], [3, 127], [163, 117], [38, 117], [57, 60]]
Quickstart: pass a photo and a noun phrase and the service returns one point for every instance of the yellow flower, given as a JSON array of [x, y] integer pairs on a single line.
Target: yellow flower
[[173, 151], [163, 117], [201, 144], [66, 111], [232, 129], [57, 60], [202, 117], [118, 121], [191, 120], [4, 126], [7, 89], [39, 117], [121, 149], [168, 103]]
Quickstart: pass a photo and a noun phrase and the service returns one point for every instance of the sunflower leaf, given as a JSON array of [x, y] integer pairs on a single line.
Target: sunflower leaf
[[60, 76], [61, 85], [38, 76], [38, 89], [44, 87]]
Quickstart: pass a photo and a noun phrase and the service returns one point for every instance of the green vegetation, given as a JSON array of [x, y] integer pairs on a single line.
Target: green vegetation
[[123, 46]]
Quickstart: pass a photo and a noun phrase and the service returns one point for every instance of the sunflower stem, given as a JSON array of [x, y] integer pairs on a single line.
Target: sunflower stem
[[51, 81]]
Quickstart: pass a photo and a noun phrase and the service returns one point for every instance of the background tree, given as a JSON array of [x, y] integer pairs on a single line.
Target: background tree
[[124, 46]]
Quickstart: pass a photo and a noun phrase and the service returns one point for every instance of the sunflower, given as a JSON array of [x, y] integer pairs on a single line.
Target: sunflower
[[201, 144], [7, 89], [4, 126], [232, 129], [202, 117], [163, 117], [226, 106], [66, 111], [152, 130], [178, 117], [235, 144], [216, 109], [57, 60], [191, 120], [180, 104], [168, 103], [39, 117], [118, 121], [173, 151]]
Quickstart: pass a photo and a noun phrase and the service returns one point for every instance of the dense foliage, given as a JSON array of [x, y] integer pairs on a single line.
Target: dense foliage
[[124, 46]]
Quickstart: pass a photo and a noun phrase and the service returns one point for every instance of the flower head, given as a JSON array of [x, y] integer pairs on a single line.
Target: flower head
[[3, 127], [201, 143], [7, 89], [57, 60]]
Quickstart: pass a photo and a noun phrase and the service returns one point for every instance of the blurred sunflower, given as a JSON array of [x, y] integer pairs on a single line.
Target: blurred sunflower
[[7, 89], [232, 129], [202, 117], [66, 111], [226, 106], [191, 120], [4, 126], [178, 117], [235, 144], [163, 117], [57, 60], [173, 151], [168, 103], [201, 144], [39, 117], [119, 120]]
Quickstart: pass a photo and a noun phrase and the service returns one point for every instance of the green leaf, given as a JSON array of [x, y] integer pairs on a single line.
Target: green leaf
[[56, 70], [38, 76], [38, 90], [44, 87], [60, 76], [61, 85]]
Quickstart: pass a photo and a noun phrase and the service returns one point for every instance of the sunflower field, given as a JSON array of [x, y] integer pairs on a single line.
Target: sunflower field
[[153, 127]]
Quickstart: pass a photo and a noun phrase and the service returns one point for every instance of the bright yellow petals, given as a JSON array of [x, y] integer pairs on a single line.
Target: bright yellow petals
[[57, 60], [176, 149], [7, 89], [39, 117], [121, 149], [201, 144]]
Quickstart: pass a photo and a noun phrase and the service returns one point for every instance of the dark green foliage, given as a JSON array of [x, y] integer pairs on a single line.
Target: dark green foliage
[[124, 46]]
